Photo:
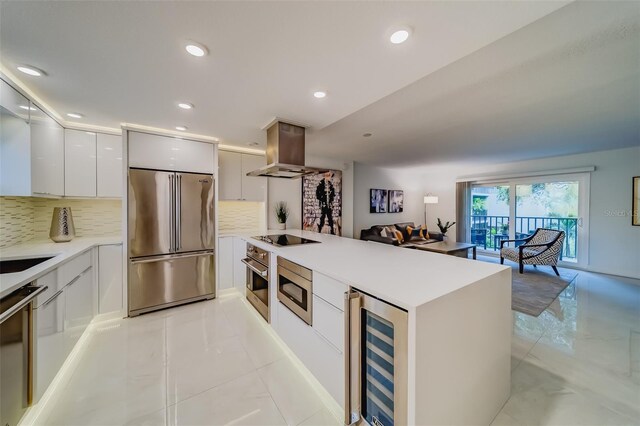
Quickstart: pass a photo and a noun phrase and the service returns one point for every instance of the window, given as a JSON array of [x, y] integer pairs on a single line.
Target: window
[[515, 208]]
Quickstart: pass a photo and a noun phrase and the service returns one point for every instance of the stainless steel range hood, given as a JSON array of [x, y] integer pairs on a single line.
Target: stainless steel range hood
[[285, 153]]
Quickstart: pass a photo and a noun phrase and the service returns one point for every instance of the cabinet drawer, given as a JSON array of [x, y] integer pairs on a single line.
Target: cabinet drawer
[[328, 321], [73, 268], [50, 351], [330, 290], [51, 281]]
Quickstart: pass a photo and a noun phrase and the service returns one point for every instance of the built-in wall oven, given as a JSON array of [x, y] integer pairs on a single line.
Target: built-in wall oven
[[295, 288], [257, 293]]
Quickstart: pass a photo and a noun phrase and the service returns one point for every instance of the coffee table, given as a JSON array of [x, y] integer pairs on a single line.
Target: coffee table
[[449, 247]]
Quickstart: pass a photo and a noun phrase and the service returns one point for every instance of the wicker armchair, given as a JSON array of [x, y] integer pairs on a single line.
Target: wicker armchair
[[543, 247]]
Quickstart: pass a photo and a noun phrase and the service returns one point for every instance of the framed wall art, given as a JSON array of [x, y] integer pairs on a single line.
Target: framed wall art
[[396, 201], [378, 200]]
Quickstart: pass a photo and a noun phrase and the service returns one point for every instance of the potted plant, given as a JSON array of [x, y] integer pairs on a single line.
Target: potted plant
[[282, 214], [444, 228]]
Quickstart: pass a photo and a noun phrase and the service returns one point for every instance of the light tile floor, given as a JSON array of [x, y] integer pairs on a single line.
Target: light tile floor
[[213, 363], [201, 364]]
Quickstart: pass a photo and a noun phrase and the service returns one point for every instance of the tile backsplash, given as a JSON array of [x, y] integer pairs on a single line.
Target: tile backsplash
[[26, 218], [16, 220], [241, 215]]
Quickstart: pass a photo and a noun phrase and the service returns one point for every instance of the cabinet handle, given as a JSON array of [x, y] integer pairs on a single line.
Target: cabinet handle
[[52, 298], [78, 277]]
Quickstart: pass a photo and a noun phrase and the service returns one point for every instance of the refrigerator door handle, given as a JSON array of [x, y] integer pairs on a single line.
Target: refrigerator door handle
[[171, 212], [179, 212], [352, 391]]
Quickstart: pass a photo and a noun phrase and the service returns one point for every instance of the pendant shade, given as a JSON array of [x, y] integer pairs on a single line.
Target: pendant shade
[[431, 199]]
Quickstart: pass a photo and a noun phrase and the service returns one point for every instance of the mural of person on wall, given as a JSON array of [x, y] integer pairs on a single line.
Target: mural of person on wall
[[325, 193], [322, 202]]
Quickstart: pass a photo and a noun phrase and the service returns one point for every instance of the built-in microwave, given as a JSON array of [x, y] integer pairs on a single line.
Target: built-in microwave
[[295, 288]]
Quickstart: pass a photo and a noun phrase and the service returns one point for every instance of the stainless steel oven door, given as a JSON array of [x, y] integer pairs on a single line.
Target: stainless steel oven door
[[295, 292], [258, 286]]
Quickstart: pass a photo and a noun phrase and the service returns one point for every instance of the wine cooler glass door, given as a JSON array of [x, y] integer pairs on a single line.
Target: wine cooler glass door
[[378, 353]]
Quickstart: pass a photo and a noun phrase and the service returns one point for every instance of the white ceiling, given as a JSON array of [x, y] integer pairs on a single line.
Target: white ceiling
[[568, 83], [124, 62]]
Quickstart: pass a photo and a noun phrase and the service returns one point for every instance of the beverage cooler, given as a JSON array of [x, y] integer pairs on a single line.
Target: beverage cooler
[[376, 361]]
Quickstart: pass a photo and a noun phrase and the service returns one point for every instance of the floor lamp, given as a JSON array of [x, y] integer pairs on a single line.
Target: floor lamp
[[429, 199]]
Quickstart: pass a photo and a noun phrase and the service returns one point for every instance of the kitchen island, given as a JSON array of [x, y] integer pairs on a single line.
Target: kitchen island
[[457, 335]]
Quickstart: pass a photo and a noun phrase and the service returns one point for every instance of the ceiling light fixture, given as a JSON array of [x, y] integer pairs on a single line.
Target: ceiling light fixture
[[400, 36], [320, 94], [181, 128], [74, 115], [185, 105], [196, 49], [32, 71], [367, 135]]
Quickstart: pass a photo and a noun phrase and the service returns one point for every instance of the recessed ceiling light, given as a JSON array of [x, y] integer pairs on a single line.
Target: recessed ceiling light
[[400, 36], [253, 144], [185, 105], [28, 108], [320, 94], [181, 128], [196, 49], [32, 71], [367, 135], [74, 115]]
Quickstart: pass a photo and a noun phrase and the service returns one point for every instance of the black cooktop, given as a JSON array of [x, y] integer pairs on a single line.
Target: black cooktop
[[284, 240]]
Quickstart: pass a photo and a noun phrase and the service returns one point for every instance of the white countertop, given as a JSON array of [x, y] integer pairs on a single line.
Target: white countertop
[[62, 252], [404, 277]]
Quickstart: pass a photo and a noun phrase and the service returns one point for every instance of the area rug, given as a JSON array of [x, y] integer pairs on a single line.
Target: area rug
[[533, 291]]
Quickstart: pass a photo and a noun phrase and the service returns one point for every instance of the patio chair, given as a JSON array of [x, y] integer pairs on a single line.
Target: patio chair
[[544, 247]]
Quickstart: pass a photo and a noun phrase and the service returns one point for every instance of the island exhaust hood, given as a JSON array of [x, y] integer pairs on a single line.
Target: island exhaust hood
[[285, 153]]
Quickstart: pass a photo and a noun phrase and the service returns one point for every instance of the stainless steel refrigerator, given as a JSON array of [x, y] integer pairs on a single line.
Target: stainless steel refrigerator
[[171, 239]]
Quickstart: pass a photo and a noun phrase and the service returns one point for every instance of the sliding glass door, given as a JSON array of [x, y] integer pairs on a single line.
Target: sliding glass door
[[515, 208]]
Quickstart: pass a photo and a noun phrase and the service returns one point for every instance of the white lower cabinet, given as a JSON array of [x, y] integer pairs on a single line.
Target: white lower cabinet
[[225, 263], [110, 284], [315, 351], [62, 314], [50, 350], [78, 307], [239, 268]]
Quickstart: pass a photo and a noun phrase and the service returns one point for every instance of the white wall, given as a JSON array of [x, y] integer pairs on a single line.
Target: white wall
[[368, 177], [290, 190], [614, 244]]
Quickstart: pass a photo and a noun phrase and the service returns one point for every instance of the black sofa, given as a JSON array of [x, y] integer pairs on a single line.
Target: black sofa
[[373, 234]]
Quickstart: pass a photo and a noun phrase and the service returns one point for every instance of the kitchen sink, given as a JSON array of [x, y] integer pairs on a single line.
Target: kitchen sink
[[19, 265]]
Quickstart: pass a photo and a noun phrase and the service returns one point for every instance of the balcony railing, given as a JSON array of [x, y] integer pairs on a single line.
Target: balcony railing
[[487, 231]]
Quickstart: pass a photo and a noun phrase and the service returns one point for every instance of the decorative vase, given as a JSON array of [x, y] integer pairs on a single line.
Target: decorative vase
[[444, 238], [62, 229], [281, 226]]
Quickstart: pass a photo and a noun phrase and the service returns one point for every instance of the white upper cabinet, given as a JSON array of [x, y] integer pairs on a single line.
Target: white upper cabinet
[[80, 163], [229, 182], [169, 153], [47, 154], [15, 146], [109, 165], [234, 184], [253, 188]]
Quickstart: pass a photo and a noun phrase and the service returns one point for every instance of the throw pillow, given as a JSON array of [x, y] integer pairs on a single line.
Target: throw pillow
[[415, 234], [383, 232], [424, 233], [399, 236]]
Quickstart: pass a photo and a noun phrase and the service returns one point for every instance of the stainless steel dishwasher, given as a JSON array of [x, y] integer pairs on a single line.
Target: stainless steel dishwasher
[[16, 353]]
